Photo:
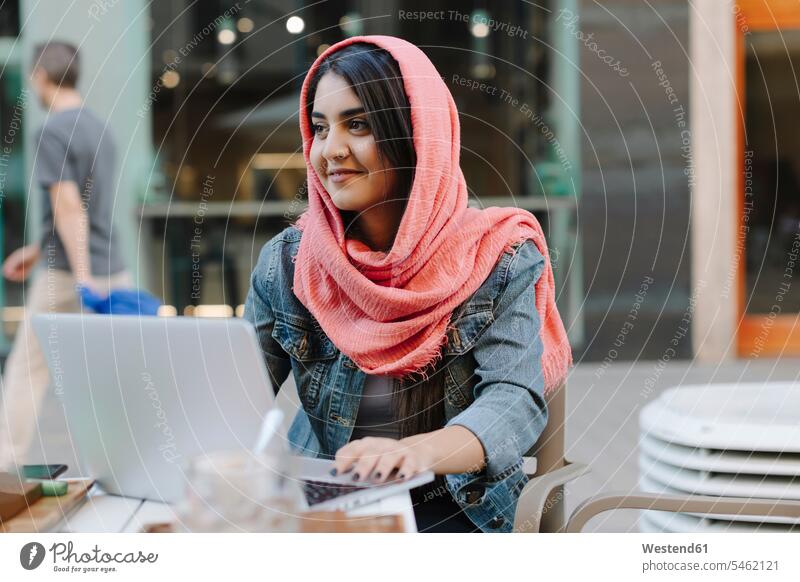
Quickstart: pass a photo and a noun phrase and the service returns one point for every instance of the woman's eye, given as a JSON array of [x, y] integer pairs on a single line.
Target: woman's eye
[[318, 128], [358, 124]]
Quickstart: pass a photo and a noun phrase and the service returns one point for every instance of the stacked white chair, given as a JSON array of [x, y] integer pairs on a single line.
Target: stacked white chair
[[734, 440]]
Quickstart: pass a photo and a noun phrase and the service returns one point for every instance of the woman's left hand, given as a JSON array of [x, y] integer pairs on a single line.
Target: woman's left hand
[[374, 458]]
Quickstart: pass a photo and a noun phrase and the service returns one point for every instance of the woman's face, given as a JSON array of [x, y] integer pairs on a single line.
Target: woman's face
[[344, 153]]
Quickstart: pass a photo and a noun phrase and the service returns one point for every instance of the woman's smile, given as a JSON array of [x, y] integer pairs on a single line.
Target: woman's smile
[[342, 175]]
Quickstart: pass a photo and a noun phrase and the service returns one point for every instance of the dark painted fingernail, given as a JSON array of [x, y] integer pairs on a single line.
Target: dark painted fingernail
[[333, 471], [378, 475], [355, 476], [402, 476]]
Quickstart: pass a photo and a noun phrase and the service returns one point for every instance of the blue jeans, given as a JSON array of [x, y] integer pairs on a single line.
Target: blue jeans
[[437, 512]]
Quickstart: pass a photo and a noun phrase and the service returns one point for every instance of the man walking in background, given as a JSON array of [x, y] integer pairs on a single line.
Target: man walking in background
[[74, 164]]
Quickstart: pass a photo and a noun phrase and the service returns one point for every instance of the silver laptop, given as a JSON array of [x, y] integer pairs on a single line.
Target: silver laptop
[[143, 395]]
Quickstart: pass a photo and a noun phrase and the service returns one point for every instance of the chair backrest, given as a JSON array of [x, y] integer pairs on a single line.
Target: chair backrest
[[549, 454], [549, 449]]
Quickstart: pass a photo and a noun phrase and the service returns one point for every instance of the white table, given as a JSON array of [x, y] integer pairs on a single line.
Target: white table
[[105, 513]]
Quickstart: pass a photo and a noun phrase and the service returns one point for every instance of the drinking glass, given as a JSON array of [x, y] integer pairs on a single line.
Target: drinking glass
[[239, 491]]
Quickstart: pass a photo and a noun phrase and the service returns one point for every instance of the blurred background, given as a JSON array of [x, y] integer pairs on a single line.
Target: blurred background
[[578, 111]]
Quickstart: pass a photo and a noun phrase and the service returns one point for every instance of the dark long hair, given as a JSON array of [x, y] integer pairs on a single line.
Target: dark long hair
[[375, 77]]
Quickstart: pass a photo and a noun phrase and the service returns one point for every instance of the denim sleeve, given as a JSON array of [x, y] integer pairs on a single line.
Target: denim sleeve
[[257, 310], [509, 412]]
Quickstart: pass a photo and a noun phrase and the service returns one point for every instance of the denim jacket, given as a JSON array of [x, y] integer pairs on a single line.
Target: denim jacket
[[492, 363]]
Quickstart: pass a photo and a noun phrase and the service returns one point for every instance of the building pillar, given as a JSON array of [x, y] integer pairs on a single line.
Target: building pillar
[[715, 163]]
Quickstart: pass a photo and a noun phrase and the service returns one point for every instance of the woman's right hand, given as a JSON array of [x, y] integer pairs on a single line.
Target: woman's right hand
[[18, 264]]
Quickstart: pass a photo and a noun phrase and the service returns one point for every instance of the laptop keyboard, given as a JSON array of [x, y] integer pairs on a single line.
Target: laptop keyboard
[[319, 491]]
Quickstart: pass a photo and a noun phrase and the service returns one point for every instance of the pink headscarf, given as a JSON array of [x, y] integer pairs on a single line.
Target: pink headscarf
[[390, 312]]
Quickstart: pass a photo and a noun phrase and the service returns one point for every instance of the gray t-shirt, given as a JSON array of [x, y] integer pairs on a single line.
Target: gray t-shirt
[[75, 146], [375, 416]]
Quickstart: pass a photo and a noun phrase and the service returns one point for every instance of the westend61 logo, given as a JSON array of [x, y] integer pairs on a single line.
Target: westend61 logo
[[66, 559]]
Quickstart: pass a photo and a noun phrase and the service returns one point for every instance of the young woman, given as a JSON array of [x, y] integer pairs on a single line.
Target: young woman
[[422, 334]]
